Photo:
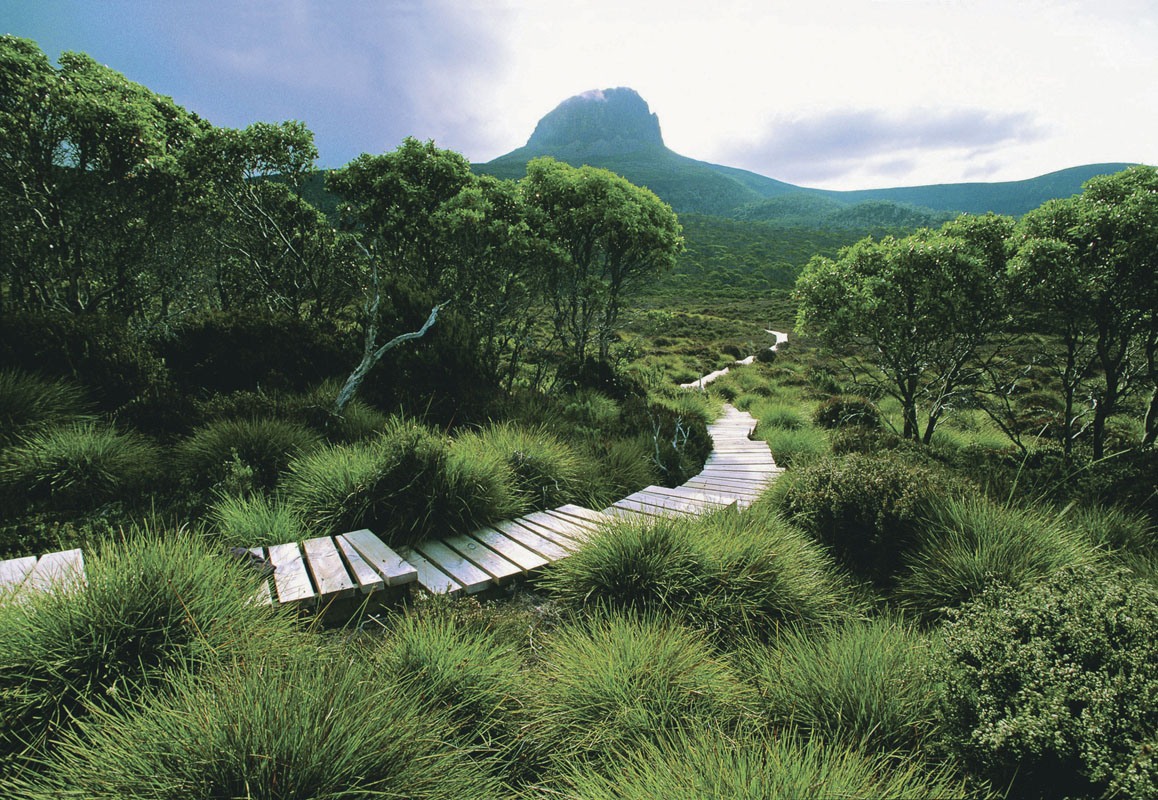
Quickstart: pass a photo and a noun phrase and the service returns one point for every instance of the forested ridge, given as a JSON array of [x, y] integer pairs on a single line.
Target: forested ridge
[[206, 343]]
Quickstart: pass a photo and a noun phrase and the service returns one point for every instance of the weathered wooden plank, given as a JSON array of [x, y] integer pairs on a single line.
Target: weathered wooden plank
[[572, 529], [327, 568], [367, 578], [483, 557], [572, 510], [590, 528], [666, 506], [624, 513], [429, 576], [750, 492], [389, 564], [291, 580], [263, 596], [57, 571], [709, 498], [14, 571], [547, 548], [509, 549], [464, 573], [569, 542]]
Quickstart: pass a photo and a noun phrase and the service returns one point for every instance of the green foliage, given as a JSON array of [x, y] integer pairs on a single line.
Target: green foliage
[[970, 542], [265, 446], [309, 721], [1115, 529], [866, 508], [79, 466], [700, 761], [611, 684], [794, 448], [547, 472], [725, 574], [154, 603], [255, 520], [1049, 690], [843, 412], [864, 684], [31, 403]]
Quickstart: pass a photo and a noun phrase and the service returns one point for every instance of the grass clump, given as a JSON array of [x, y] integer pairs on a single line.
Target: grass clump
[[971, 542], [264, 447], [701, 761], [309, 722], [1050, 690], [611, 683], [793, 448], [80, 466], [862, 683], [31, 403], [725, 573], [154, 602], [255, 521], [848, 411], [547, 471]]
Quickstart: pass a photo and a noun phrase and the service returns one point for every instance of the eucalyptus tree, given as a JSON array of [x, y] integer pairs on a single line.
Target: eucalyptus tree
[[613, 235], [910, 315]]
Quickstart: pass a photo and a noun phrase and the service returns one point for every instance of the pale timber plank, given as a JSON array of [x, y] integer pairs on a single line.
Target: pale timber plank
[[568, 541], [590, 528], [368, 578], [483, 557], [547, 548], [724, 490], [263, 595], [455, 565], [62, 570], [389, 564], [14, 571], [666, 506], [509, 549], [623, 512], [709, 498], [429, 576], [325, 564], [572, 529], [290, 579], [572, 510]]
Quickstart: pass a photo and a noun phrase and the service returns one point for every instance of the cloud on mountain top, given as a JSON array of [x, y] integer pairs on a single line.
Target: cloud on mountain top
[[840, 143]]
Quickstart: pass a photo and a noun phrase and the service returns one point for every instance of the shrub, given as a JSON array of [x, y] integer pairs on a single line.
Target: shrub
[[312, 722], [31, 403], [725, 573], [863, 683], [255, 521], [547, 471], [613, 683], [867, 509], [1050, 690], [700, 761], [79, 466], [971, 542], [845, 411], [264, 446], [154, 602]]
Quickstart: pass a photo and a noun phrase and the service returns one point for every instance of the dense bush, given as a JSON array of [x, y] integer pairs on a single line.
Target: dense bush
[[611, 684], [866, 508], [1051, 690], [30, 403], [845, 411], [154, 603], [311, 721], [968, 543], [79, 467], [725, 573], [861, 683], [680, 440], [262, 446]]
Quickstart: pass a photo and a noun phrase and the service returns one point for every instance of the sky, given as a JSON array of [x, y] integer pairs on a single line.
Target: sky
[[836, 94]]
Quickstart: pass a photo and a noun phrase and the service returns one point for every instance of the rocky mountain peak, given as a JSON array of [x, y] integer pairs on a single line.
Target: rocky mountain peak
[[600, 122]]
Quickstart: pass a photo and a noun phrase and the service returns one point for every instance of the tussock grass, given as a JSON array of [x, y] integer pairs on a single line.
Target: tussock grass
[[547, 471], [724, 573], [794, 448], [307, 722], [701, 761], [79, 466], [255, 521], [1115, 529], [862, 683], [31, 403], [156, 602], [262, 446], [780, 416], [972, 542], [611, 683]]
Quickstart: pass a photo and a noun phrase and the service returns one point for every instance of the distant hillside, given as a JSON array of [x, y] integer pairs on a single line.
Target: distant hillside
[[616, 130]]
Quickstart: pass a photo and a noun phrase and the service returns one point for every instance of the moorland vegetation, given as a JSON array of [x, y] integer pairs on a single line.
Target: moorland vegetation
[[951, 592]]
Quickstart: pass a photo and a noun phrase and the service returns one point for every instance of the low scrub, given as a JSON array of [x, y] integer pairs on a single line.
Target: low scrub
[[969, 543], [31, 403], [1050, 690], [848, 412], [262, 448], [866, 508]]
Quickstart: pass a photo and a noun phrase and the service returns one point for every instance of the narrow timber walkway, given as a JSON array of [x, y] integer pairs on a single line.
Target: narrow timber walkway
[[326, 569]]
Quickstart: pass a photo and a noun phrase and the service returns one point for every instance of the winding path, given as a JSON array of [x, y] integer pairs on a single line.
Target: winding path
[[780, 338]]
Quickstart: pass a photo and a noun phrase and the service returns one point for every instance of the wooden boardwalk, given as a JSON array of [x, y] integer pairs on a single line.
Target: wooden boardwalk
[[320, 571]]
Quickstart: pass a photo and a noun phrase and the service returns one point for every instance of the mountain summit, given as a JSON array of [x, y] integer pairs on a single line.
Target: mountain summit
[[597, 123]]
